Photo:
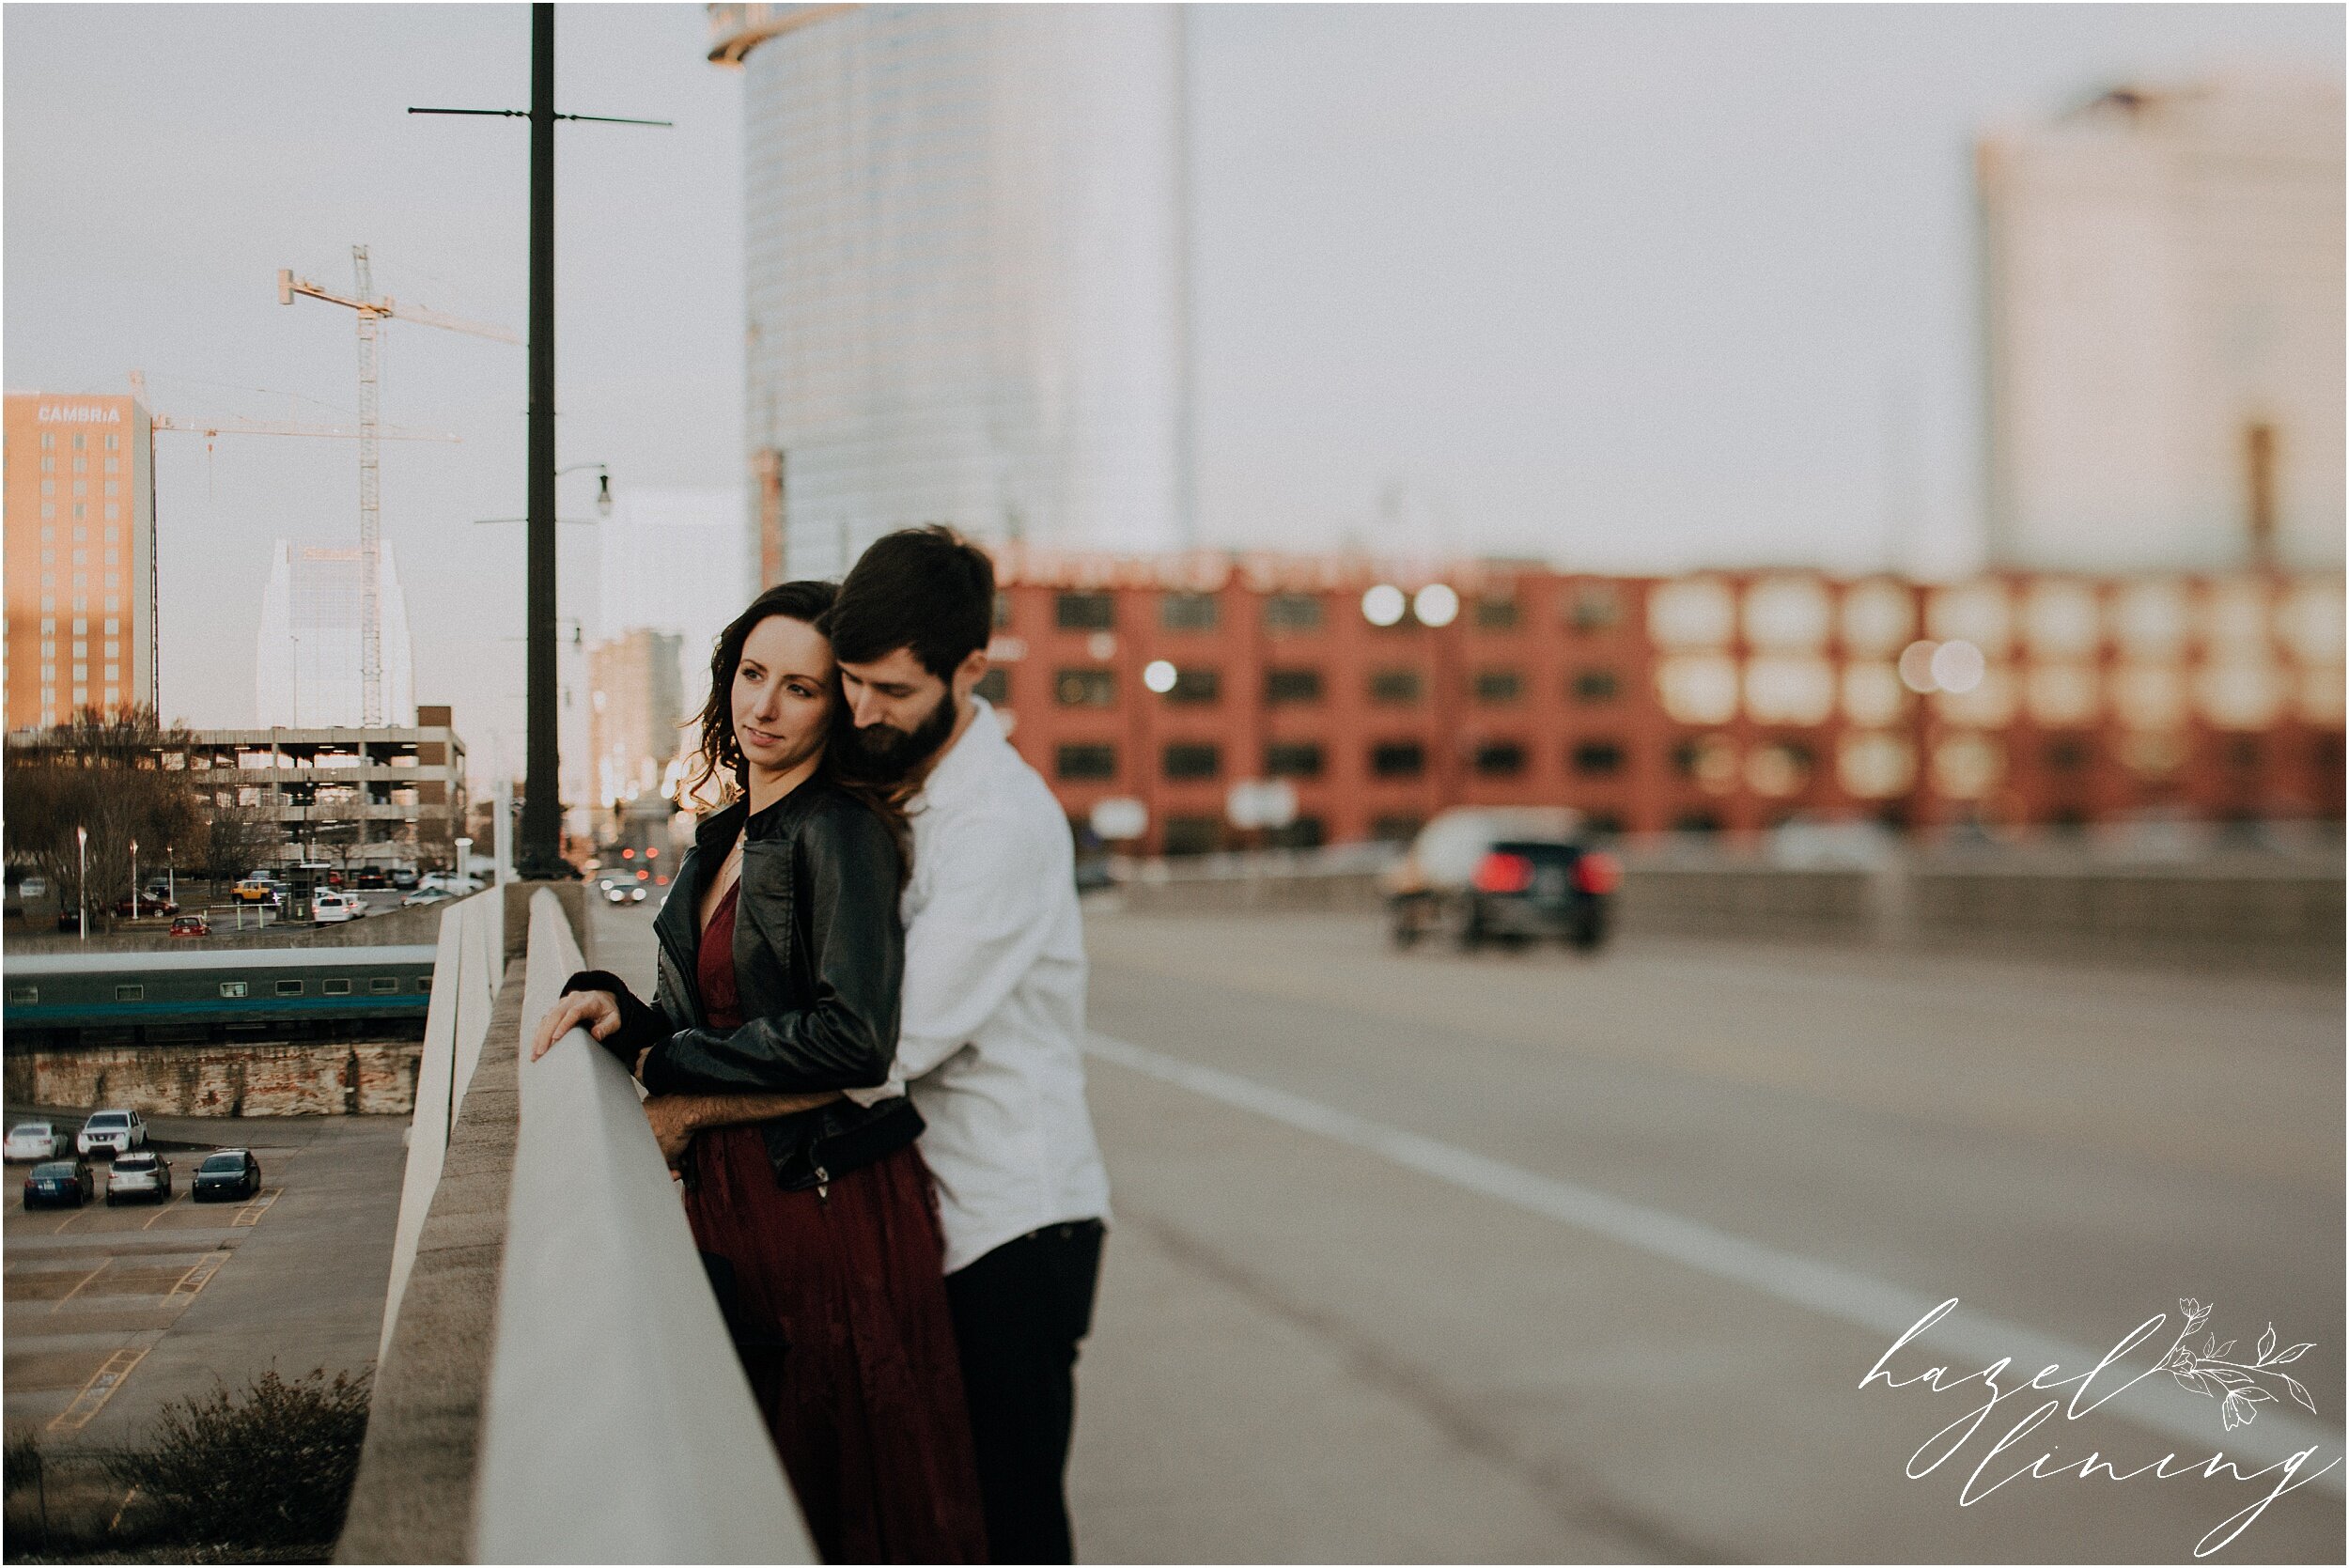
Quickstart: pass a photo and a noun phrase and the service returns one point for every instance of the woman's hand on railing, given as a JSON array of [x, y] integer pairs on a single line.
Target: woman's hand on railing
[[598, 1011]]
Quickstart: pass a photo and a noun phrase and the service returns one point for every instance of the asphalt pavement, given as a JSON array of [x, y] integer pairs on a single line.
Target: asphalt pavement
[[1523, 1256], [112, 1313]]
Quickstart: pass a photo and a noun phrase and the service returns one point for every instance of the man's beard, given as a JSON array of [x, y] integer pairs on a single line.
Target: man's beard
[[884, 753]]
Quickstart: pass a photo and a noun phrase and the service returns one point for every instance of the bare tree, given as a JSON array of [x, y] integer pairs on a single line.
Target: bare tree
[[100, 773]]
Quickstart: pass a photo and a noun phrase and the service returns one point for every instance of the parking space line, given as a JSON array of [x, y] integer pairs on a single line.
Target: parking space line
[[77, 1289], [252, 1212], [161, 1209], [99, 1388], [197, 1277]]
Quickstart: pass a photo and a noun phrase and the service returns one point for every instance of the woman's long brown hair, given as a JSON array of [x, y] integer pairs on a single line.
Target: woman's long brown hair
[[720, 760]]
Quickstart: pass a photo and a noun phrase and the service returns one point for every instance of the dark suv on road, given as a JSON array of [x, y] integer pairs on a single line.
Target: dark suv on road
[[1503, 873]]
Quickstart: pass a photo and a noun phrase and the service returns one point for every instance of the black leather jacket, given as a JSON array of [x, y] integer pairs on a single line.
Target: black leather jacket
[[819, 960]]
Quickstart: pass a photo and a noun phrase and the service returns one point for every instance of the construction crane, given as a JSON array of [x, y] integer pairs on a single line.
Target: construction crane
[[372, 312]]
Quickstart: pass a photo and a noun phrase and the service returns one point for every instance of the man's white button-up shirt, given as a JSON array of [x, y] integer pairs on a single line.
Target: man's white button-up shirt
[[994, 1000]]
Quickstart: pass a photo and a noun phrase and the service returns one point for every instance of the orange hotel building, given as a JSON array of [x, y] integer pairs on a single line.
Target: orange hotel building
[[79, 556], [1720, 702]]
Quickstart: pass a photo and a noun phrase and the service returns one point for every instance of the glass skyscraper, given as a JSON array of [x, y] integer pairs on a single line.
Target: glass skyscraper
[[964, 228]]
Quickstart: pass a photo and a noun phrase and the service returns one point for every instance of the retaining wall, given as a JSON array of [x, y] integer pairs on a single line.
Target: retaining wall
[[324, 1078]]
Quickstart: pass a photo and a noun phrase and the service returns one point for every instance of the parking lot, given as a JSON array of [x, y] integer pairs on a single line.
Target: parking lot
[[113, 1312]]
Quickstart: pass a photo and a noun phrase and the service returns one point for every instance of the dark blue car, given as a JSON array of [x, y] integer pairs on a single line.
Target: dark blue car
[[65, 1183]]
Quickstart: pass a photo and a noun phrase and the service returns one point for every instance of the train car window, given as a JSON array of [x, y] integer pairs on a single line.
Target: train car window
[[24, 993], [130, 993], [289, 987], [383, 984], [232, 987], [424, 982], [338, 987]]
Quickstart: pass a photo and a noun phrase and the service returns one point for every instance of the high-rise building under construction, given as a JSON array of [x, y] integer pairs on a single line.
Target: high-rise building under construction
[[965, 233]]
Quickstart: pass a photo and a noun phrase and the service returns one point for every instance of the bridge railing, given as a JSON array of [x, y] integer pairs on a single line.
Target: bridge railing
[[563, 1387], [467, 969]]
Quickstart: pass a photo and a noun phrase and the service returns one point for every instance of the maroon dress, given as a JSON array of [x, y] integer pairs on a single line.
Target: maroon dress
[[840, 1316]]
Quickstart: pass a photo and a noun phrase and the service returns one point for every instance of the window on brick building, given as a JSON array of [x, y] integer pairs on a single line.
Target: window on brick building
[[1498, 759], [1084, 612], [1398, 759], [2068, 753], [1292, 759], [1595, 606], [995, 686], [1193, 835], [1193, 759], [1085, 689], [1596, 758], [1596, 686], [1196, 685], [1292, 686], [1306, 832], [1189, 612], [1398, 829], [1293, 612], [1496, 613], [1499, 685], [1399, 686], [1003, 610], [1083, 762]]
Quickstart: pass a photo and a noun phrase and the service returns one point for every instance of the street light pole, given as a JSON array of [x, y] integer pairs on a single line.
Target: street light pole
[[134, 881], [541, 846], [542, 849], [81, 879]]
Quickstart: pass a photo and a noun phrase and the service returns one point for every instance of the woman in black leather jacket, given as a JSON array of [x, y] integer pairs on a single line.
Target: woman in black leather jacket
[[767, 1051]]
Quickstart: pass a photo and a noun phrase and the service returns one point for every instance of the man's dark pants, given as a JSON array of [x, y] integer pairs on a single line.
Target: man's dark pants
[[1019, 1314]]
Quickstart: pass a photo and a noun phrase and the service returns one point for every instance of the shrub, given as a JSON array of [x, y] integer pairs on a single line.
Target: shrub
[[271, 1468]]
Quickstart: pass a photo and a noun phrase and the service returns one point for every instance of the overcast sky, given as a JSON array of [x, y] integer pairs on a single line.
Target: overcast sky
[[1635, 287]]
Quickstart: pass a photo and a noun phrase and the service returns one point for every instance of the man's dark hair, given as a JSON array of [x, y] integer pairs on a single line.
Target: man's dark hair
[[927, 589]]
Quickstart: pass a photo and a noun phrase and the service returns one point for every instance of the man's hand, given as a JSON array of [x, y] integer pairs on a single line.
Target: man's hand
[[599, 1010], [672, 1124]]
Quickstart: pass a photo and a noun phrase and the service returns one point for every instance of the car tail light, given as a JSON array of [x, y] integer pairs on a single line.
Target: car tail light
[[1596, 873], [1501, 871]]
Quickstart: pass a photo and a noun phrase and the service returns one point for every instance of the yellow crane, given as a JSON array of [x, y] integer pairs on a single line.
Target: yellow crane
[[372, 312]]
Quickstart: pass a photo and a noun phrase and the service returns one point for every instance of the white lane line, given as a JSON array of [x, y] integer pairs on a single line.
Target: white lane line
[[1885, 1310]]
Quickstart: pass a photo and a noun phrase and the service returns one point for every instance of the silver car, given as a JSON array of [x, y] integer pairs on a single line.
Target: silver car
[[141, 1176]]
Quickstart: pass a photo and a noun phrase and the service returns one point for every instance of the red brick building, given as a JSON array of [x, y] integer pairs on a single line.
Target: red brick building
[[1724, 701]]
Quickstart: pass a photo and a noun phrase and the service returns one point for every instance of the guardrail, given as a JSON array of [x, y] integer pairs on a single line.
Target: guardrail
[[466, 970], [619, 1427], [562, 1386]]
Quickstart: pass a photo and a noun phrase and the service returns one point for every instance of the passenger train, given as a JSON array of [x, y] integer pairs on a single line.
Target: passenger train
[[118, 997]]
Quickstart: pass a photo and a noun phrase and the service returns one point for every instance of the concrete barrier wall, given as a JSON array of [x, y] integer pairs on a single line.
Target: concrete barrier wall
[[324, 1077], [2286, 915]]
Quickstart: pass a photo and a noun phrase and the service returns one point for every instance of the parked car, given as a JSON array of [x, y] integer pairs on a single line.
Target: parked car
[[404, 878], [1508, 874], [110, 1132], [70, 918], [370, 877], [260, 888], [426, 895], [622, 892], [191, 925], [150, 903], [34, 1141], [334, 908], [140, 1175], [224, 1175], [65, 1183]]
